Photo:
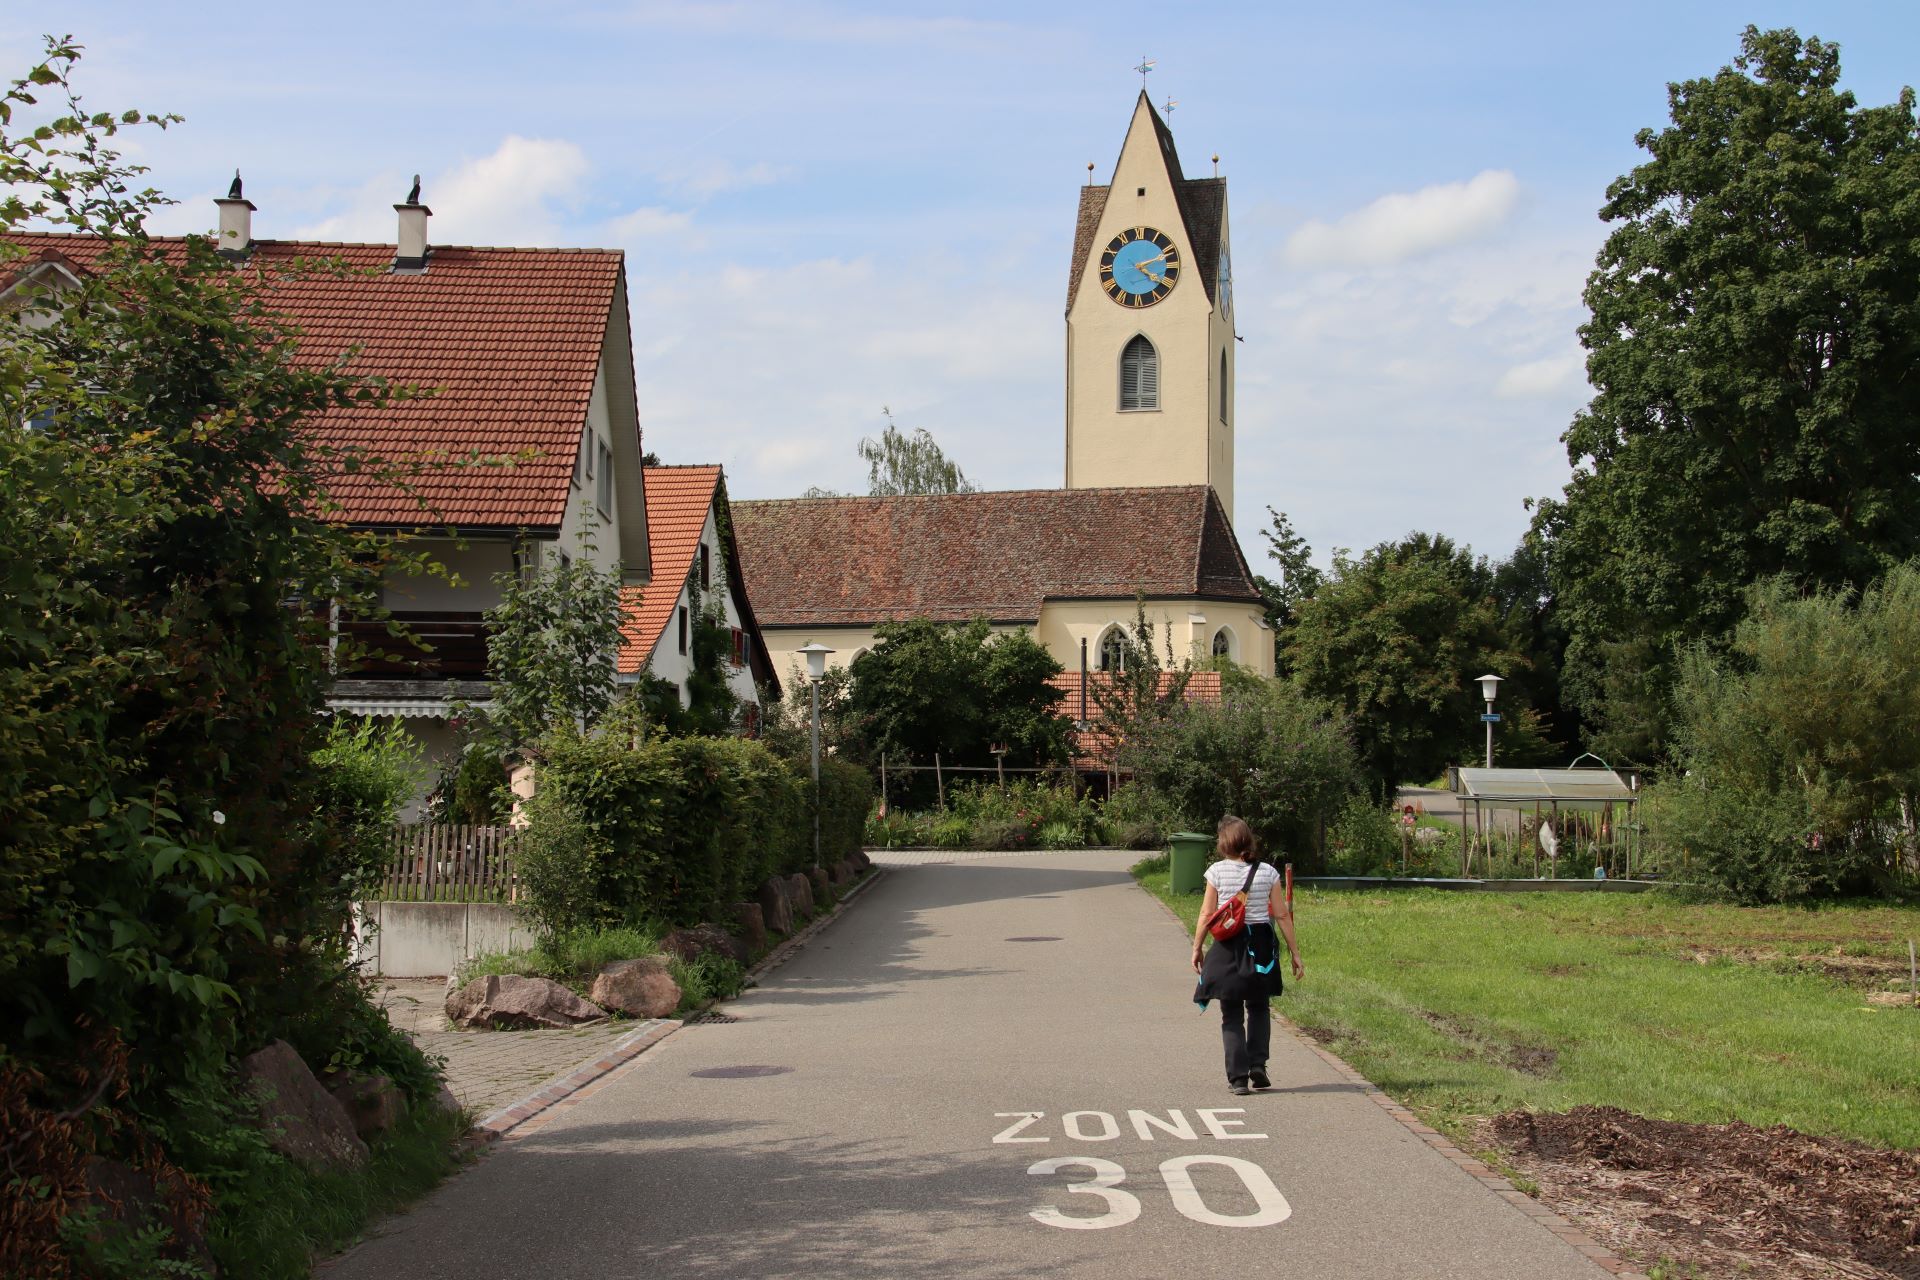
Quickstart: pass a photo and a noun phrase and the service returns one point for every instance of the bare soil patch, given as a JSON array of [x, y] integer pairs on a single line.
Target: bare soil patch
[[1729, 1199]]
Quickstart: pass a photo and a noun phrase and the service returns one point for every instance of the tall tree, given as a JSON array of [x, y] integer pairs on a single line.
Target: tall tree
[[900, 462], [1754, 344], [1299, 579], [1395, 638]]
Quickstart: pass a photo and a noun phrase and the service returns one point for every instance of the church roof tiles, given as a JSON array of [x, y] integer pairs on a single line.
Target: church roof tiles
[[843, 562]]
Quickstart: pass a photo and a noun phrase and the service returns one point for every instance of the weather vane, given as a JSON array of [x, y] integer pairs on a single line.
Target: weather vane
[[1146, 65], [1171, 104]]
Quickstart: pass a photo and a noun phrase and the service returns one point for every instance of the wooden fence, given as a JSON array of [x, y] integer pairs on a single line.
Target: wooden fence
[[446, 863]]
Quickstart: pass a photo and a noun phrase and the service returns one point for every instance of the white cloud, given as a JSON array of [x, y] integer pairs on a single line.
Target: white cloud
[[512, 196], [1539, 379], [1405, 225], [715, 177]]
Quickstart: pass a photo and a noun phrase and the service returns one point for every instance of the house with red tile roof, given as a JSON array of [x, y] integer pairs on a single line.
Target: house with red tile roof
[[527, 451], [696, 574]]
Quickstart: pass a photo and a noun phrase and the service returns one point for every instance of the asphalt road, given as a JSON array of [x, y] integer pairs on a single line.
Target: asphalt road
[[925, 1084]]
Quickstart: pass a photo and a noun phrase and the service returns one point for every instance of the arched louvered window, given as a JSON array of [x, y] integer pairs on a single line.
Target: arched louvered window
[[1139, 375], [1113, 650], [1223, 643], [1223, 385]]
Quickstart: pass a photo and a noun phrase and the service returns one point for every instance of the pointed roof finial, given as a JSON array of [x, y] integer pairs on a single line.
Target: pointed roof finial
[[233, 192], [1216, 164], [413, 196], [1146, 65], [1089, 173], [1171, 104]]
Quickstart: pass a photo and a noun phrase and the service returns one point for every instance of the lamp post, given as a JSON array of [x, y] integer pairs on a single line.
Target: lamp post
[[1489, 688], [816, 654]]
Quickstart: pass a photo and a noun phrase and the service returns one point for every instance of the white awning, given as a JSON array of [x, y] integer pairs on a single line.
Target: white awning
[[421, 708]]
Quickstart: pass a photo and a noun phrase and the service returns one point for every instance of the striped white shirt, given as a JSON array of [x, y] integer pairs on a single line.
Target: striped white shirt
[[1227, 877]]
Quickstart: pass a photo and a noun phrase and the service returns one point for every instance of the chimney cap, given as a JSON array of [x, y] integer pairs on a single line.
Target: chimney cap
[[234, 196], [413, 196]]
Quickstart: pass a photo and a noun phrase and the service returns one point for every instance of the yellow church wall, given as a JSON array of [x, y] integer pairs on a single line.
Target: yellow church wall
[[1062, 625]]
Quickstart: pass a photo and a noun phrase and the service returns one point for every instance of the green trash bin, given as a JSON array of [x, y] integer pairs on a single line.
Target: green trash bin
[[1189, 852]]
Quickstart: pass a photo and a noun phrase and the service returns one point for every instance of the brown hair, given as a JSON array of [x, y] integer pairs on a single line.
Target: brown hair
[[1234, 839]]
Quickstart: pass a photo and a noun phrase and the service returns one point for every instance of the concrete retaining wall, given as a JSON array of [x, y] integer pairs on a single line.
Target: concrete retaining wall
[[431, 939]]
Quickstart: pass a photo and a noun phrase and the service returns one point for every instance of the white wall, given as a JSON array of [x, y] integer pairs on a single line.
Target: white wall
[[475, 560], [668, 662]]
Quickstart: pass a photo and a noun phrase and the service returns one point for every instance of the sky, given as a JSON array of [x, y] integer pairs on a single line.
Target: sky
[[831, 209]]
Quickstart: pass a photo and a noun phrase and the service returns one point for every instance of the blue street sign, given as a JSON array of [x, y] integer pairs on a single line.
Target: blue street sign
[[1491, 717]]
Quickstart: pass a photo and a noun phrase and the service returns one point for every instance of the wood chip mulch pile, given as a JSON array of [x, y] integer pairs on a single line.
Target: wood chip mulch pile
[[1728, 1199]]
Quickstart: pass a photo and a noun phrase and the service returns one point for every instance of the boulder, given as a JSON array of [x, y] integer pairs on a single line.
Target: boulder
[[639, 988], [302, 1121], [374, 1103], [776, 907], [822, 887], [445, 1101], [703, 939], [513, 1003], [131, 1202], [861, 862], [800, 893], [842, 873], [751, 926]]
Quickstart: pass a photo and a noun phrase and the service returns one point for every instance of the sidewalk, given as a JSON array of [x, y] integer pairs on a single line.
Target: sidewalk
[[489, 1069]]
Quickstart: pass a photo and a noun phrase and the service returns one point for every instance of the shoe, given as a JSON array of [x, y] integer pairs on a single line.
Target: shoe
[[1239, 1089], [1258, 1079]]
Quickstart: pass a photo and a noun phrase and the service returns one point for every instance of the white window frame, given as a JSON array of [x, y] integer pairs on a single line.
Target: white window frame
[[1120, 378], [1117, 632], [603, 493]]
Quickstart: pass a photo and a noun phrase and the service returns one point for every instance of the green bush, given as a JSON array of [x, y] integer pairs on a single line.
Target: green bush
[[899, 830], [1062, 835], [709, 976], [1266, 752], [1136, 817], [1798, 762], [1363, 840], [1001, 833], [950, 832], [625, 827]]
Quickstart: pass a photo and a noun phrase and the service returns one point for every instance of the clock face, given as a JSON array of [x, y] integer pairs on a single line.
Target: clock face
[[1139, 267]]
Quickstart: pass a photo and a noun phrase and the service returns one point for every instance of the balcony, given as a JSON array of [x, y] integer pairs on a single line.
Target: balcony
[[438, 645]]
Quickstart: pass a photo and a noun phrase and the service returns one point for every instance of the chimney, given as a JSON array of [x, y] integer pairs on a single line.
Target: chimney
[[410, 254], [236, 222]]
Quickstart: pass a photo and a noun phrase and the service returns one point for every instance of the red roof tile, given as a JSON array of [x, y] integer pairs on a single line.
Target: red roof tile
[[846, 562], [678, 499], [1093, 746], [509, 338]]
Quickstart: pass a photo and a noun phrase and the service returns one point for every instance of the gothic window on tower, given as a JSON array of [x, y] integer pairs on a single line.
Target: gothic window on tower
[[1223, 643], [1113, 650], [1139, 375]]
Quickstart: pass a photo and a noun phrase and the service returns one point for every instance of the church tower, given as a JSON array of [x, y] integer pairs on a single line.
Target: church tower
[[1150, 348]]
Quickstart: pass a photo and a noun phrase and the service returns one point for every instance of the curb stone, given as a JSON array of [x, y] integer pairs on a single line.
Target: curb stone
[[526, 1115], [1579, 1240]]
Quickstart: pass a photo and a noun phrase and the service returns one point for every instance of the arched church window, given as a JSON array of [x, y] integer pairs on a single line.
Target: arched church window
[[1139, 374], [1223, 643], [1113, 650], [1223, 385]]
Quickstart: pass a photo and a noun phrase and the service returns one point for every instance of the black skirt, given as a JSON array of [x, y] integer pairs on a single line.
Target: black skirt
[[1244, 967]]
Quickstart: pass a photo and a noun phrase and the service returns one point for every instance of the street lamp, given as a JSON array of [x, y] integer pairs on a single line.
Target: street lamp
[[1489, 689], [817, 667]]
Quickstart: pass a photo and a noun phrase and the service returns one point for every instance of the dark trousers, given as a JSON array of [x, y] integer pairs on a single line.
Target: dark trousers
[[1246, 1027]]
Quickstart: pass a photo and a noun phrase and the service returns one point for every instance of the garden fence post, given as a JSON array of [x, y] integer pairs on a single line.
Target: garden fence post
[[939, 780]]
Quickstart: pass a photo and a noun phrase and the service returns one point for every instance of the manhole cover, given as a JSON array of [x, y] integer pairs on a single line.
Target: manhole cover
[[1041, 938], [739, 1073], [711, 1018]]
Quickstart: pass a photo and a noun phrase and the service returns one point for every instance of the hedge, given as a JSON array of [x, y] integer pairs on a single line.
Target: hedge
[[674, 829]]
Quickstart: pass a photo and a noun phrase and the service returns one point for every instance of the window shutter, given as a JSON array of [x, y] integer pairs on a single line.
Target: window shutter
[[1139, 375]]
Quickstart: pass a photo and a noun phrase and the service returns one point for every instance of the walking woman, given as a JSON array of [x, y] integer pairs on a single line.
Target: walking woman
[[1243, 972]]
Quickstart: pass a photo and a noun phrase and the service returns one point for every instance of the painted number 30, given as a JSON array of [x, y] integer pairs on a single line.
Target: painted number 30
[[1123, 1206]]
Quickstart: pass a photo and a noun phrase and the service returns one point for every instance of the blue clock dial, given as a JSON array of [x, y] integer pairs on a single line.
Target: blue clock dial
[[1139, 267]]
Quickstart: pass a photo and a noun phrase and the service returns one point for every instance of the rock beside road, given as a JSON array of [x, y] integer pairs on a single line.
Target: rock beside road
[[302, 1121], [513, 1003], [800, 894], [373, 1103], [750, 923], [822, 887], [703, 939], [639, 988], [776, 905]]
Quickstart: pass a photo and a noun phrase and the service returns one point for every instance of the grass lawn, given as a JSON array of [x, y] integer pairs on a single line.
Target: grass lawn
[[1464, 1005]]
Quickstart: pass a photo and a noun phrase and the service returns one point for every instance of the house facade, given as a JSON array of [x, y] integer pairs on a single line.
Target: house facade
[[696, 574]]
